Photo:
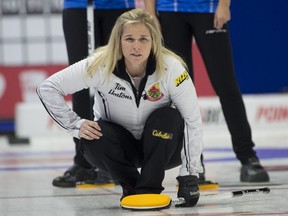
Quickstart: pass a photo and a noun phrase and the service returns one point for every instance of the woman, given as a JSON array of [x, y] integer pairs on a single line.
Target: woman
[[137, 83]]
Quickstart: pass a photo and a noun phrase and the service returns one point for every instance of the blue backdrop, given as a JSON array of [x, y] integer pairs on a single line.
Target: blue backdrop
[[259, 35]]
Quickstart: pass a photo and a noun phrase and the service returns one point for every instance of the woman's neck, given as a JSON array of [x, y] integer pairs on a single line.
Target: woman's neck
[[136, 71], [135, 74]]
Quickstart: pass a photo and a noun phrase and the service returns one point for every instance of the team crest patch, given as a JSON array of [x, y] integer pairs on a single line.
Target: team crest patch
[[154, 93], [162, 135], [184, 76]]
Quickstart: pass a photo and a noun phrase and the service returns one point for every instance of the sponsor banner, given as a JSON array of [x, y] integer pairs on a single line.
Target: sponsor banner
[[18, 84], [211, 112], [263, 111], [43, 124], [268, 110]]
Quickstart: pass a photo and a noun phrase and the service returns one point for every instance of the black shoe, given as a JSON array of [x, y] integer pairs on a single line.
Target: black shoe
[[202, 177], [252, 171], [77, 173]]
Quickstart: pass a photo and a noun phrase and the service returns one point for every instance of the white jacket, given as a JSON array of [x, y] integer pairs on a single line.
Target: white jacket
[[116, 100]]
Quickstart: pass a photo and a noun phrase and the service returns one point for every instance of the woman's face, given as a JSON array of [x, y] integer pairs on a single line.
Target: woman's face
[[136, 43]]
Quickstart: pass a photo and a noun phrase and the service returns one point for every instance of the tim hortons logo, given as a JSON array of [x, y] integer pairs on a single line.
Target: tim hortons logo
[[120, 92]]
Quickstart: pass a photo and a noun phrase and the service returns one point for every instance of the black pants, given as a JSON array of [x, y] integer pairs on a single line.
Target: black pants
[[215, 49], [76, 38], [119, 153]]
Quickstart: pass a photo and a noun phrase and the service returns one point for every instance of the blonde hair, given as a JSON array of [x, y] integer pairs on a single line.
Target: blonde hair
[[108, 55]]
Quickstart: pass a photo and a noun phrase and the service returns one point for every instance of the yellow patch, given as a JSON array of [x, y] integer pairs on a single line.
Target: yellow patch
[[163, 135], [184, 76]]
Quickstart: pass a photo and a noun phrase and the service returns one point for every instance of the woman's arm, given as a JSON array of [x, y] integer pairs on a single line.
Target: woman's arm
[[52, 91]]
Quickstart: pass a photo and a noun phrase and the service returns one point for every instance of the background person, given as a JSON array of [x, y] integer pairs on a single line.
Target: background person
[[76, 38], [206, 22]]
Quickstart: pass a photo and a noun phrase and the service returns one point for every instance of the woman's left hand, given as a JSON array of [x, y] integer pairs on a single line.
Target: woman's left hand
[[90, 130]]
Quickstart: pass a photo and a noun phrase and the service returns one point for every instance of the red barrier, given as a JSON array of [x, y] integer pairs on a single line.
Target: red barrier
[[18, 84], [201, 79]]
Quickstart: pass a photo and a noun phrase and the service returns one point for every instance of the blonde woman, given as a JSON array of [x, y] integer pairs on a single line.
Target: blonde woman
[[146, 110]]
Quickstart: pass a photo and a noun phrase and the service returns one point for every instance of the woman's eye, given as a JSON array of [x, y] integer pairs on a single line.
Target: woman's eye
[[129, 39], [143, 39]]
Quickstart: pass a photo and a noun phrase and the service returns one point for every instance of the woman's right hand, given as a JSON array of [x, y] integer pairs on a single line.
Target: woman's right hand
[[90, 130]]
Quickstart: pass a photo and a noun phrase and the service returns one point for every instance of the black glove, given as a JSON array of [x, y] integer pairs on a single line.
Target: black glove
[[189, 190]]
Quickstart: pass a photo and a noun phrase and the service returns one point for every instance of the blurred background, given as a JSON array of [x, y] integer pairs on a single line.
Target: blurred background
[[32, 47]]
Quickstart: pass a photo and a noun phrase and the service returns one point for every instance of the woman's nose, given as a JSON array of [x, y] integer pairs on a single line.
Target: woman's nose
[[136, 44]]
